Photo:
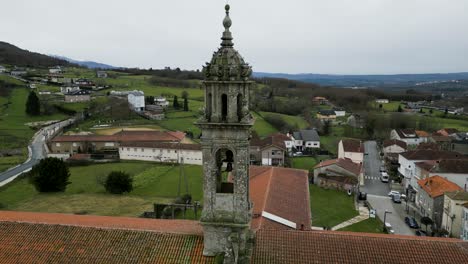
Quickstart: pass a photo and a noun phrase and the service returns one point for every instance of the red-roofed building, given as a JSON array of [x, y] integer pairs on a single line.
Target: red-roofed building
[[338, 174], [430, 196], [455, 170], [352, 149], [270, 151], [393, 146]]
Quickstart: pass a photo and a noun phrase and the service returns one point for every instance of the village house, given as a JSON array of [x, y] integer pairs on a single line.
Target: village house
[[304, 139], [18, 72], [136, 101], [455, 170], [320, 100], [2, 69], [161, 101], [83, 82], [423, 136], [338, 173], [447, 131], [78, 96], [69, 89], [452, 217], [356, 121], [430, 197], [326, 115], [72, 144], [101, 74], [444, 142], [459, 143], [56, 70], [393, 146], [270, 151], [339, 112], [352, 149], [382, 101], [464, 232], [412, 107], [161, 152], [154, 112], [408, 160], [409, 136]]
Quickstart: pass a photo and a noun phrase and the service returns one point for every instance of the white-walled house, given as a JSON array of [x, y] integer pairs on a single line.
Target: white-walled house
[[161, 101], [136, 100], [69, 89], [352, 149], [455, 170], [304, 139], [464, 224], [408, 160], [162, 152], [2, 69], [409, 136], [452, 217], [382, 101], [394, 146], [339, 112]]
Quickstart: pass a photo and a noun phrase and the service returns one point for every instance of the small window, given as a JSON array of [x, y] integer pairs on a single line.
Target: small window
[[224, 107]]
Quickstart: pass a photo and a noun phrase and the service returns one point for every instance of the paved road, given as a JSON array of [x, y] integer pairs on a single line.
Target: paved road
[[396, 218], [37, 151], [372, 163]]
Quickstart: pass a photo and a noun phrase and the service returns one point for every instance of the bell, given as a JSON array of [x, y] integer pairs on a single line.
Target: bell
[[229, 167]]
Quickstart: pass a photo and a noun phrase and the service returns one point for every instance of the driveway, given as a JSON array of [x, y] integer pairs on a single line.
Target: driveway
[[37, 151]]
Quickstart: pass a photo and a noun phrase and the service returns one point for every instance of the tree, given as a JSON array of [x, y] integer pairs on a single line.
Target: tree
[[33, 106], [184, 94], [426, 221], [175, 104], [326, 129], [380, 106], [149, 100], [400, 109], [50, 175], [370, 127], [118, 182], [186, 108], [431, 111]]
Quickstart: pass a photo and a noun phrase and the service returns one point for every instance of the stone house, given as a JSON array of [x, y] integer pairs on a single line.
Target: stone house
[[452, 217], [78, 96], [338, 173], [270, 151], [352, 149], [460, 143], [430, 197]]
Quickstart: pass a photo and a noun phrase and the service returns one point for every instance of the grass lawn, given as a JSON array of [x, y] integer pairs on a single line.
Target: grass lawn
[[12, 161], [331, 141], [152, 183], [371, 225], [305, 163], [262, 127], [296, 121], [329, 207]]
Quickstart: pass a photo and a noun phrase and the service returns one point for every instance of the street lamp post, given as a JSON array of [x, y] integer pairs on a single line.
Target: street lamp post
[[385, 218]]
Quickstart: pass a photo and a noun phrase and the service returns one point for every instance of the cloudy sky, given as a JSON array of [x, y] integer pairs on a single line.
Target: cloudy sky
[[295, 36]]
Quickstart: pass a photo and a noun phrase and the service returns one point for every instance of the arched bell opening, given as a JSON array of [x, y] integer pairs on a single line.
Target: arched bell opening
[[224, 169]]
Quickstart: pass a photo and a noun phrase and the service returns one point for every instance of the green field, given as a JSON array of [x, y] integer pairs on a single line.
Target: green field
[[152, 183], [295, 121], [262, 127], [329, 207], [371, 225], [304, 163]]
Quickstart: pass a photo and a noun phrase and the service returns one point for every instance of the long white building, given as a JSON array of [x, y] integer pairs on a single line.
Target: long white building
[[162, 152]]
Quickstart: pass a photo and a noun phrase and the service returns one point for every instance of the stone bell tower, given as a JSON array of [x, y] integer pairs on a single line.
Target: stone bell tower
[[225, 126]]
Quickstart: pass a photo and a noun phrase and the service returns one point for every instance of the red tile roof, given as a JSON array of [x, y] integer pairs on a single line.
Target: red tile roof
[[48, 244], [284, 247], [436, 186], [282, 192], [353, 145], [427, 154], [392, 142], [276, 140], [422, 133], [428, 145], [448, 131], [125, 136], [162, 145], [346, 164]]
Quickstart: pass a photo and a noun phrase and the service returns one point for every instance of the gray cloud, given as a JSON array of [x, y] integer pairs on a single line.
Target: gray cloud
[[319, 36]]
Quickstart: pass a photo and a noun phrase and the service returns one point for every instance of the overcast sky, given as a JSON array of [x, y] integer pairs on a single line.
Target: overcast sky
[[295, 36]]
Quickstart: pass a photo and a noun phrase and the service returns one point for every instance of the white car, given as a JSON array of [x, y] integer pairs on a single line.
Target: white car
[[384, 177], [391, 193], [389, 228]]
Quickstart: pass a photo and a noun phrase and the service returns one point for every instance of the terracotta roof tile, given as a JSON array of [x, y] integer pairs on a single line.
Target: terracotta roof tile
[[353, 145], [276, 140], [427, 154], [346, 164], [422, 133], [282, 192], [46, 243], [162, 145], [284, 247], [125, 136], [392, 142], [436, 186]]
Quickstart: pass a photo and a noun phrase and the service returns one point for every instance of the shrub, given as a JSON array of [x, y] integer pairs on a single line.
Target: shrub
[[50, 175], [118, 182]]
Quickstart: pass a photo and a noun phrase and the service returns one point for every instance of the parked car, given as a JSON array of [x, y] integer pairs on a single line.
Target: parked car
[[389, 228], [421, 233], [396, 198], [383, 169], [391, 193], [411, 222], [384, 177]]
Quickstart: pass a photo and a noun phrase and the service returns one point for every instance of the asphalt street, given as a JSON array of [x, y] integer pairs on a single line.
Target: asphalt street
[[37, 151]]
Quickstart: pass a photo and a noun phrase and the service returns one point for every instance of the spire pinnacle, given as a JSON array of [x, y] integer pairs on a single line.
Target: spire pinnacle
[[227, 36]]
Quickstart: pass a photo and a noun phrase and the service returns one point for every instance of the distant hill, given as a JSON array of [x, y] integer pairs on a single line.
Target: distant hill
[[88, 64], [367, 80], [10, 54]]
